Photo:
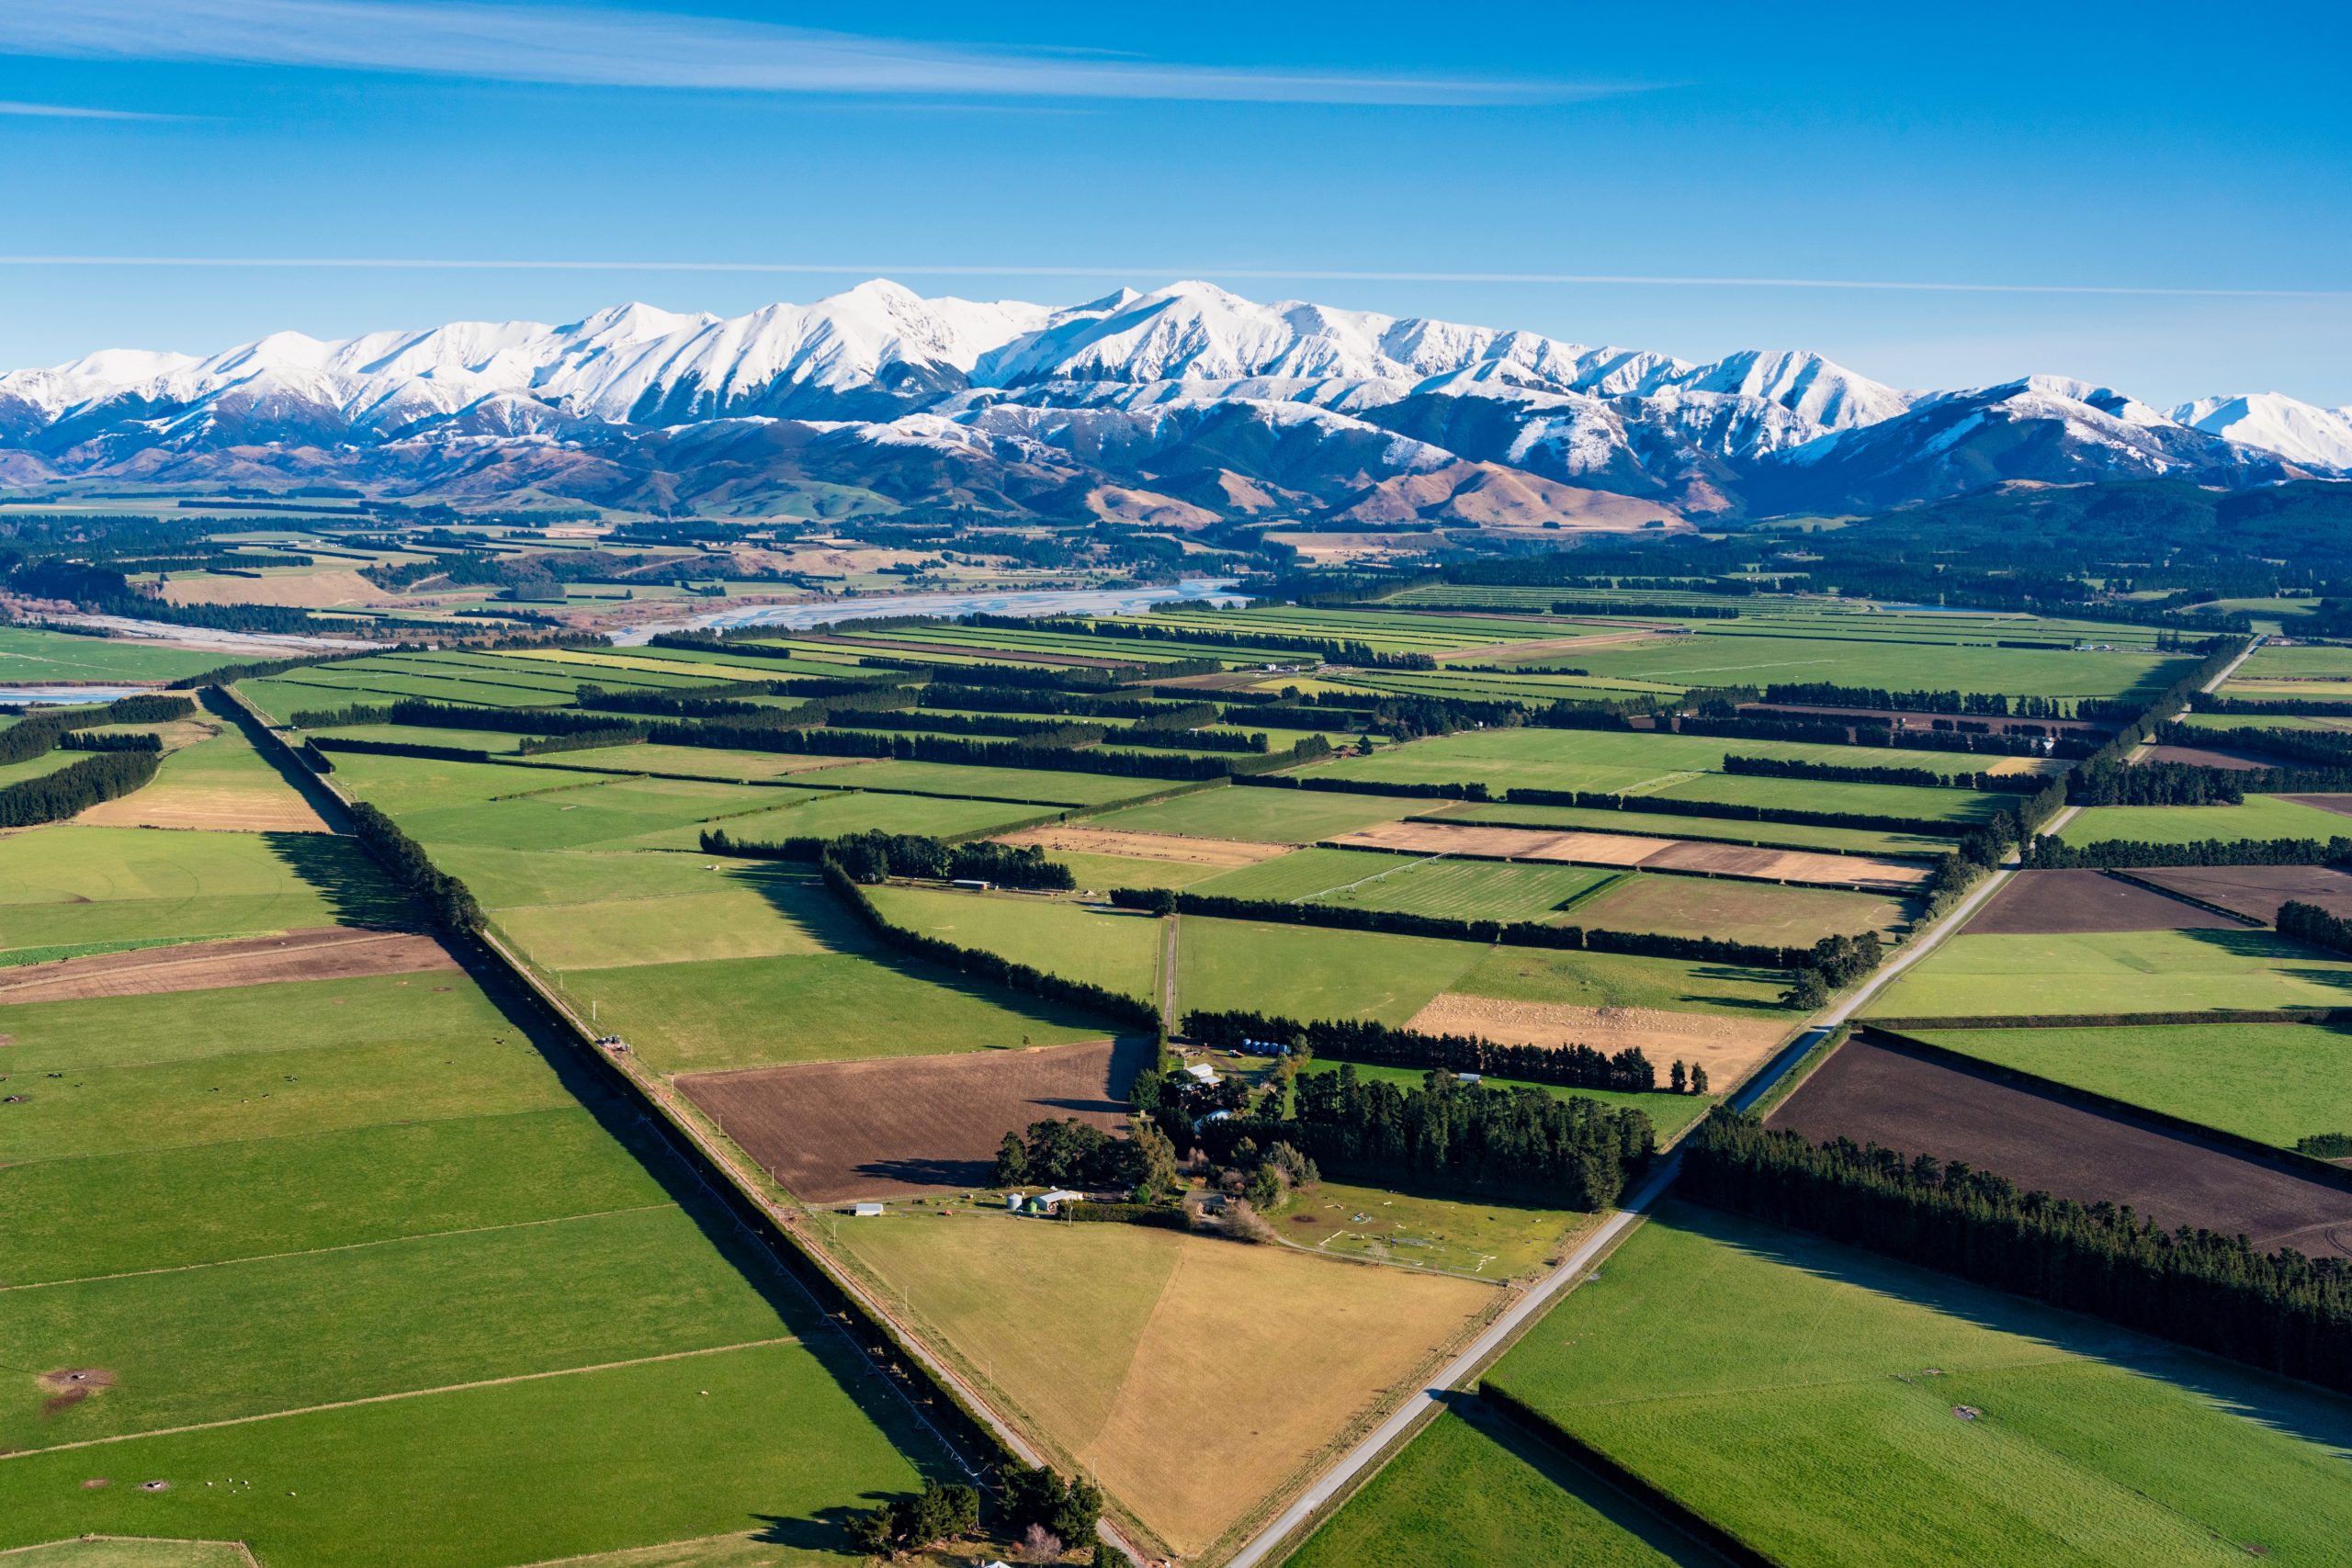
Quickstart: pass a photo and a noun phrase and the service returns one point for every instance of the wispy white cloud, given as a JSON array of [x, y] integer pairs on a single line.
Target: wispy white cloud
[[1232, 274], [596, 46], [74, 111]]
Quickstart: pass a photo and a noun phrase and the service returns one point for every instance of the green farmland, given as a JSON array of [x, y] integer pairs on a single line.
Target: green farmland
[[2260, 817], [2276, 1083], [2118, 971], [1716, 1358], [1365, 879], [1255, 816]]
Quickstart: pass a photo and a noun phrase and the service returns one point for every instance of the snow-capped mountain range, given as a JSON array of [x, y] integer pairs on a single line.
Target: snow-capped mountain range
[[1179, 406]]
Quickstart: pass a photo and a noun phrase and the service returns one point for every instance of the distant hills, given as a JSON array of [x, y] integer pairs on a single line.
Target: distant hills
[[1179, 408]]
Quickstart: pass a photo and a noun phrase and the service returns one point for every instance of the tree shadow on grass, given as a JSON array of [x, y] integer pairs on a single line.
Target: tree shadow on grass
[[827, 1529], [357, 891], [1587, 1486], [2295, 1409]]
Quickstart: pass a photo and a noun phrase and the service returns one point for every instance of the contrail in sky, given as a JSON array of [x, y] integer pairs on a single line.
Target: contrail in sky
[[1297, 275]]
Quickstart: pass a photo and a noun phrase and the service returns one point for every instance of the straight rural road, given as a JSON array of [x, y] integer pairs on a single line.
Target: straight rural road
[[1573, 1268]]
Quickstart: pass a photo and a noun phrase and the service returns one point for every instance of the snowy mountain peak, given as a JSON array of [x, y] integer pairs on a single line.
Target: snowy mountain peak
[[2300, 432]]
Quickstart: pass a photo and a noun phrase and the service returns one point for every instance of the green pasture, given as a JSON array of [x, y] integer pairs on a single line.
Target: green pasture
[[1455, 889], [1633, 762], [828, 813], [2277, 1083], [1256, 815], [2110, 971], [403, 785], [1305, 971], [433, 1008], [276, 1091], [2270, 663], [1718, 1359], [604, 812], [748, 1012], [497, 742], [1620, 980], [1914, 801], [68, 885], [2230, 721], [441, 1482], [2259, 817], [1766, 913], [1048, 785], [39, 767], [756, 911], [695, 761], [502, 878], [427, 1311], [30, 657], [1737, 656], [80, 1217], [1473, 1493], [1117, 948], [1413, 1230]]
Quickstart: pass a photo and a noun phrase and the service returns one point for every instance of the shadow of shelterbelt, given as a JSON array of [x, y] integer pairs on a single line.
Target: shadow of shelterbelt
[[827, 1529], [355, 887], [2290, 959], [1586, 1485], [2295, 1409]]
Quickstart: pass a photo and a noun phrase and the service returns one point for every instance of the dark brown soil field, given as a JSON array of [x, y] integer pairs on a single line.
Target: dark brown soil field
[[1875, 1093], [911, 1125], [329, 953], [2033, 902], [2213, 757], [2257, 891], [2339, 804]]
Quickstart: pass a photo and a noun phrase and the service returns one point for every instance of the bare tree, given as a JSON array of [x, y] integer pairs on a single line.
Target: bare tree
[[1041, 1545]]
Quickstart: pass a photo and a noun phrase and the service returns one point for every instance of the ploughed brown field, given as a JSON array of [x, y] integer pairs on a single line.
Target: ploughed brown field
[[908, 1125], [1873, 1091], [2033, 902], [2339, 804], [1632, 850], [2214, 757], [2257, 891], [328, 952]]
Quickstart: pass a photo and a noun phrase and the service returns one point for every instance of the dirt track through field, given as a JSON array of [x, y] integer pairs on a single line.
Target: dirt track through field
[[2257, 891], [1878, 1093], [2039, 902], [1147, 846], [906, 1126], [1628, 850], [329, 952], [1726, 1047]]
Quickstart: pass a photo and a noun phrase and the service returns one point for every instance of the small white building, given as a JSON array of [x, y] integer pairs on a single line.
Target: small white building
[[971, 884], [866, 1211], [1051, 1203], [1469, 1077], [1200, 1072]]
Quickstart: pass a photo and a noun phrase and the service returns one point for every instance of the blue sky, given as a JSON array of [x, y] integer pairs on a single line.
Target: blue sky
[[2192, 175]]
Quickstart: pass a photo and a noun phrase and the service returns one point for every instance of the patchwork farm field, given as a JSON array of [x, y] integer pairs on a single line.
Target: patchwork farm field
[[2034, 903], [1307, 972], [2258, 891], [1161, 1345], [2276, 1083], [2117, 972], [1881, 1092], [30, 657], [1715, 1358], [1664, 825], [1764, 913], [1625, 851]]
